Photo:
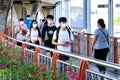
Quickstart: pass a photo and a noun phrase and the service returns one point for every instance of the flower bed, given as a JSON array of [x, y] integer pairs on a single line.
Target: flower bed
[[12, 68]]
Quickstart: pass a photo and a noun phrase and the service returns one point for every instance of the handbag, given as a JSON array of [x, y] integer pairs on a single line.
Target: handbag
[[24, 32], [105, 38]]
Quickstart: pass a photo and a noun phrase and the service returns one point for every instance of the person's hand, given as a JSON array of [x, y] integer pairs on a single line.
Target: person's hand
[[92, 49], [33, 41], [65, 44]]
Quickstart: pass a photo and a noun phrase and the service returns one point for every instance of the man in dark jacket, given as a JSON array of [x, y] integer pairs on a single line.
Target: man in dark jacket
[[47, 34]]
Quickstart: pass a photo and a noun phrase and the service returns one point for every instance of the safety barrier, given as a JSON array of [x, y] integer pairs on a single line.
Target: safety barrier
[[84, 45], [97, 76], [84, 42], [37, 58]]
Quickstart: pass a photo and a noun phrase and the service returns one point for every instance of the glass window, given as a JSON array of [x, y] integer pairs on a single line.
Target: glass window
[[76, 14], [116, 18], [99, 10]]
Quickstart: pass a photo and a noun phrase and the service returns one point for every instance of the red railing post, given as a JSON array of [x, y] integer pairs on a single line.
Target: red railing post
[[79, 43], [54, 62], [23, 50], [0, 38], [88, 45], [83, 67], [37, 51], [115, 51]]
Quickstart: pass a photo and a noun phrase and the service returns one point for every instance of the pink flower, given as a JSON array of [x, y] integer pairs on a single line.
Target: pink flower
[[68, 74], [6, 54], [8, 48], [36, 75], [41, 65], [2, 67], [77, 78], [13, 57], [74, 75], [42, 69]]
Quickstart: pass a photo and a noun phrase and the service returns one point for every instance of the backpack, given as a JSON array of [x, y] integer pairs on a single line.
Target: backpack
[[57, 33]]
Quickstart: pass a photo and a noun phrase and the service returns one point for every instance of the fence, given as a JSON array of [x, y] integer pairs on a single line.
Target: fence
[[37, 58]]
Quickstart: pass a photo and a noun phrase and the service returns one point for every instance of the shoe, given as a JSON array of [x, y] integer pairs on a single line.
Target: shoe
[[103, 72]]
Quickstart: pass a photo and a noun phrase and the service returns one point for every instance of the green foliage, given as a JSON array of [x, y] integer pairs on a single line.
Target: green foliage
[[11, 67], [117, 21]]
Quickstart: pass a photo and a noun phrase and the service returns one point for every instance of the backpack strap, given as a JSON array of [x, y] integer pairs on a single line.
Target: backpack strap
[[57, 33], [68, 30]]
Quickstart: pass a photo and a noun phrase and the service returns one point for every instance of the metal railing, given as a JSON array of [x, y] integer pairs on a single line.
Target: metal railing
[[40, 58]]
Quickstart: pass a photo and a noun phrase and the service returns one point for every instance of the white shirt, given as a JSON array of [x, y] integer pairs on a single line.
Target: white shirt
[[19, 35], [63, 36], [33, 34]]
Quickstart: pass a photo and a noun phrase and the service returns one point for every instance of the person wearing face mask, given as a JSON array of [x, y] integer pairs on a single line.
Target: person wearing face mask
[[63, 38], [28, 21], [47, 34], [33, 35], [20, 31]]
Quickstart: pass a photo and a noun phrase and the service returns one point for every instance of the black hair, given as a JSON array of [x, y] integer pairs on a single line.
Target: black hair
[[50, 16], [27, 16], [62, 19], [21, 19], [36, 28], [101, 23], [43, 20]]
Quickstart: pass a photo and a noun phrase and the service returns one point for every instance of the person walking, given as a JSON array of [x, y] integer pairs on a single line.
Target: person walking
[[21, 31], [100, 43], [47, 34], [63, 38], [33, 35]]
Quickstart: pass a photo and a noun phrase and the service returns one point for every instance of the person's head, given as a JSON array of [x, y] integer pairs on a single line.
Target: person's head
[[50, 19], [28, 17], [101, 23], [21, 21], [43, 20], [63, 22], [34, 24]]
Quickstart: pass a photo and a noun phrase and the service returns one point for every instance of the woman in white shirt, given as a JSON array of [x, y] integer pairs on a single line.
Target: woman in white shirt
[[33, 35]]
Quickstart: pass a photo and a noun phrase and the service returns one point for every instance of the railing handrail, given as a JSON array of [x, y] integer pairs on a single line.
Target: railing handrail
[[100, 62], [92, 34]]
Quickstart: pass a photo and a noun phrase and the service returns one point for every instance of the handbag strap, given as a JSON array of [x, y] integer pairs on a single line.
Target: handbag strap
[[104, 35]]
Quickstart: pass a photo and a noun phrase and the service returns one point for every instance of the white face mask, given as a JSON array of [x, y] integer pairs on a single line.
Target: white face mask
[[49, 21], [34, 25], [21, 22], [28, 18], [64, 25]]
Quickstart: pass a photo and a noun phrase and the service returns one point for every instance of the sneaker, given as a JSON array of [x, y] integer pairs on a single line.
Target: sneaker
[[103, 72]]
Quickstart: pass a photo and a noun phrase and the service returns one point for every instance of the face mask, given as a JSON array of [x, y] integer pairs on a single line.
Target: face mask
[[64, 25], [49, 21], [21, 22], [28, 18], [34, 25]]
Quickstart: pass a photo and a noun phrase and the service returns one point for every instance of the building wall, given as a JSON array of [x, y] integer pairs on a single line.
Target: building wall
[[19, 7], [48, 11]]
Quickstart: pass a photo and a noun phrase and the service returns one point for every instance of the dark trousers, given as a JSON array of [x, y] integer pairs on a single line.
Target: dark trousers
[[102, 55], [19, 43]]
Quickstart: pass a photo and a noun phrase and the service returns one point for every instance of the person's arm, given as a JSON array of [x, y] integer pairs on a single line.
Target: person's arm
[[93, 42], [17, 30], [40, 40], [54, 41], [43, 33], [28, 37], [108, 40]]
